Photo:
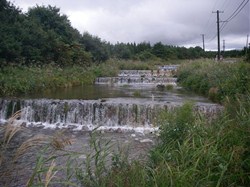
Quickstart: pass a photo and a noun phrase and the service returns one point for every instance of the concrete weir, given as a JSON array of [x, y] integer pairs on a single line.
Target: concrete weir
[[137, 114], [136, 80], [162, 76]]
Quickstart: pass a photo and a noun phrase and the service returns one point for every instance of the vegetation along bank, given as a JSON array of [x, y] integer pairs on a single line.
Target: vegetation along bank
[[41, 50]]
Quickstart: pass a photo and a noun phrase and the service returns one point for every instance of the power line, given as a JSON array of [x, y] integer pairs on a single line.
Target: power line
[[224, 23], [232, 16], [215, 35], [208, 26], [212, 38], [237, 11]]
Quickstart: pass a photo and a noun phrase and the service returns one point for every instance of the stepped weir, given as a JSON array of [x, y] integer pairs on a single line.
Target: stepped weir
[[145, 77], [128, 113]]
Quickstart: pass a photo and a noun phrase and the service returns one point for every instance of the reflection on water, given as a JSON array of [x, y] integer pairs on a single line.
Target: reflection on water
[[91, 92]]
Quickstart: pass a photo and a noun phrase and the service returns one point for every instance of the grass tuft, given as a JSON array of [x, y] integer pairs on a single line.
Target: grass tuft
[[37, 140], [59, 141], [50, 174], [11, 128]]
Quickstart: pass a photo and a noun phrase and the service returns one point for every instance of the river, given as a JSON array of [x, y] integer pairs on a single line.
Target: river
[[124, 113]]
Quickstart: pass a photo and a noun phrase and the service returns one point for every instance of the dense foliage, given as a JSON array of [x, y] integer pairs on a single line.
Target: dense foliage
[[41, 36]]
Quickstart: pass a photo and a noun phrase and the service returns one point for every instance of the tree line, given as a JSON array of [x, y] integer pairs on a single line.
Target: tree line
[[43, 36]]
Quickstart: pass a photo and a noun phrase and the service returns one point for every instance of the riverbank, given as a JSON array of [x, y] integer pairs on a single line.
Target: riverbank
[[190, 150], [216, 80], [20, 80], [16, 80]]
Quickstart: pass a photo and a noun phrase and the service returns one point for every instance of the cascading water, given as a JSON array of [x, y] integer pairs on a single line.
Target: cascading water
[[136, 80], [112, 113], [163, 77], [87, 114]]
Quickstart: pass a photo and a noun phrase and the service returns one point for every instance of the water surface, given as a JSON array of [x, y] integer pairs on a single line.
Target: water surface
[[93, 92]]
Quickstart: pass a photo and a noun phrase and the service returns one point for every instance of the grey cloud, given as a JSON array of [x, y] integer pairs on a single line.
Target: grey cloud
[[179, 22]]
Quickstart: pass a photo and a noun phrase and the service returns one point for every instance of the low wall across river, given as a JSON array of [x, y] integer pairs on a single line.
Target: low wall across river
[[136, 80], [85, 114], [163, 76]]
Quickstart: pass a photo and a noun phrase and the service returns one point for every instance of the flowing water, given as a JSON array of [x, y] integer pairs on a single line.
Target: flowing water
[[108, 106], [124, 108], [133, 99]]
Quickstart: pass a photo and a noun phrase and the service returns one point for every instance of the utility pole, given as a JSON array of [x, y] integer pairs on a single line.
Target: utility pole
[[203, 41], [224, 46], [247, 45], [218, 32]]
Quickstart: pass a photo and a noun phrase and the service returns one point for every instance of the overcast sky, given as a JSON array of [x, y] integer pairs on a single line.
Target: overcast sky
[[173, 22]]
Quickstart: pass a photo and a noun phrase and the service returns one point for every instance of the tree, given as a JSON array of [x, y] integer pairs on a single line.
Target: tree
[[143, 47], [50, 19], [95, 46], [145, 55], [10, 29], [49, 37], [159, 50]]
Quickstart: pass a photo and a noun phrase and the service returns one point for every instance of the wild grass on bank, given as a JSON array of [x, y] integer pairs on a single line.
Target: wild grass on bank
[[217, 80], [19, 80], [193, 151]]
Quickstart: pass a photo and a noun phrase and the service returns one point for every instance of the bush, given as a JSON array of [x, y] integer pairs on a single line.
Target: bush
[[107, 69]]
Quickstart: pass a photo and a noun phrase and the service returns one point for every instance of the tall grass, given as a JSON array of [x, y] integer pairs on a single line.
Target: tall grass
[[18, 80], [196, 152], [192, 151], [215, 80], [7, 132], [143, 65]]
